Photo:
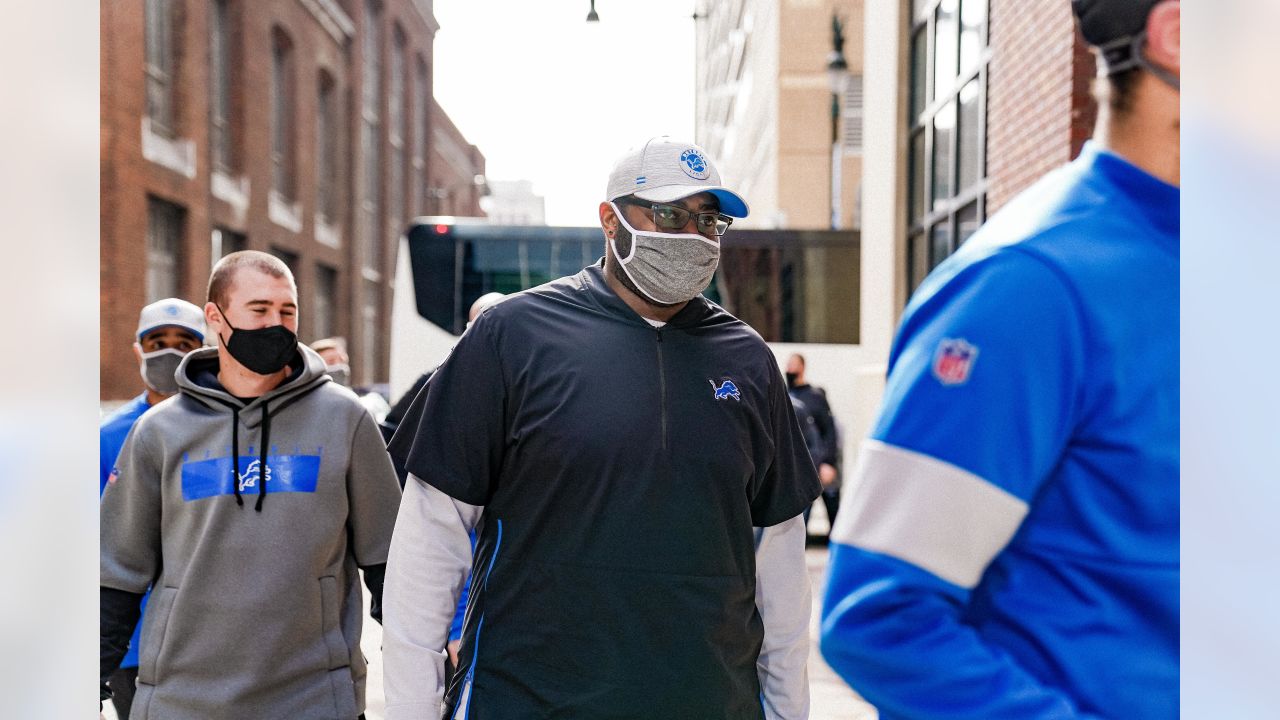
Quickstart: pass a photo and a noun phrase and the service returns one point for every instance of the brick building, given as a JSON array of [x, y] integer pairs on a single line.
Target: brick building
[[957, 106], [298, 127], [458, 182], [765, 108]]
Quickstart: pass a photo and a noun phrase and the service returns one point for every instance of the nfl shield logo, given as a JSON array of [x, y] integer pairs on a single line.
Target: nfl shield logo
[[953, 361]]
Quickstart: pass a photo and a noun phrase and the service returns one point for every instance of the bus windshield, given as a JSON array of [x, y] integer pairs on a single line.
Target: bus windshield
[[796, 286]]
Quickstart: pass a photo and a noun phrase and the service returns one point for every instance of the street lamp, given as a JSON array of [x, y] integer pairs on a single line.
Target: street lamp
[[592, 16], [837, 78]]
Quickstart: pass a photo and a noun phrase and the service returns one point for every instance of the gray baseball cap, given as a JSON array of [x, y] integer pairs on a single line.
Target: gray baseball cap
[[665, 170]]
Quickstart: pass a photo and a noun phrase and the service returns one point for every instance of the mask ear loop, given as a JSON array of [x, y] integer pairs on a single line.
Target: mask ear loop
[[613, 239], [1130, 56]]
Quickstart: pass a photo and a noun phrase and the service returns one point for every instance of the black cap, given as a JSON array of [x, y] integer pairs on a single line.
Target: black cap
[[1116, 28], [1106, 21]]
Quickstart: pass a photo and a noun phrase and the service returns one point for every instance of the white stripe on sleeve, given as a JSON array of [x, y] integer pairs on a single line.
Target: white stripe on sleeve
[[927, 512]]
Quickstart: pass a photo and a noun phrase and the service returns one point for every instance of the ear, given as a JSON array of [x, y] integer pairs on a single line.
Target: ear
[[137, 352], [1164, 36], [608, 219], [213, 318]]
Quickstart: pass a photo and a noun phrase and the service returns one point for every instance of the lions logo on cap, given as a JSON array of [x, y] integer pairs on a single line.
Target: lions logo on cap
[[694, 165]]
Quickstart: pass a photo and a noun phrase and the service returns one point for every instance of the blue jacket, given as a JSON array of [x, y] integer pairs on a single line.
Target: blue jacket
[[1011, 549], [111, 434]]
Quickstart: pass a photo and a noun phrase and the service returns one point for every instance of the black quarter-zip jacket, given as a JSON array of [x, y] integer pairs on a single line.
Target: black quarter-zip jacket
[[622, 468]]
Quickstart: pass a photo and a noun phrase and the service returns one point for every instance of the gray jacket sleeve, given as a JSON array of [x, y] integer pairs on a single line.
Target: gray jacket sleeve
[[373, 493], [129, 516]]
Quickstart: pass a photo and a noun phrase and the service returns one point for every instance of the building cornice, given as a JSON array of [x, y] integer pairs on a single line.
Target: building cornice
[[332, 19], [424, 10]]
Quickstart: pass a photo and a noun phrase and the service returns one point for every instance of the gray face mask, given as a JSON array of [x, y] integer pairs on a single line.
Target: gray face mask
[[160, 368], [341, 373], [667, 268]]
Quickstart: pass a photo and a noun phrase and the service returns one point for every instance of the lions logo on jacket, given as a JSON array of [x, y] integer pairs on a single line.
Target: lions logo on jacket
[[725, 390]]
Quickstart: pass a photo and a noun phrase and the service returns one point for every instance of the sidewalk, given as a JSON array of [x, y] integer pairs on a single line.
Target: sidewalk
[[832, 699]]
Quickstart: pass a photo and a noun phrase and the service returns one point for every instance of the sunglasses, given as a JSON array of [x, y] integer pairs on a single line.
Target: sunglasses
[[674, 217]]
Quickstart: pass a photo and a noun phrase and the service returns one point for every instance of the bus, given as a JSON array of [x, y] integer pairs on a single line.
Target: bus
[[798, 288]]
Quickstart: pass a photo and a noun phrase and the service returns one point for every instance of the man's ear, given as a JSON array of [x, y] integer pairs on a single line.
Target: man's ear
[[213, 318], [137, 352], [608, 219], [1164, 36]]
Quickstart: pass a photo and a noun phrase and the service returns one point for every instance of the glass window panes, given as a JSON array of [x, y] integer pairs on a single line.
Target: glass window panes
[[970, 136], [369, 369], [326, 147], [220, 86], [917, 176], [790, 286], [159, 65], [946, 163], [945, 51], [917, 259], [973, 13], [395, 89], [966, 222], [164, 243], [288, 258], [323, 315], [372, 56], [370, 206], [224, 242], [282, 115], [944, 130], [919, 59], [939, 243]]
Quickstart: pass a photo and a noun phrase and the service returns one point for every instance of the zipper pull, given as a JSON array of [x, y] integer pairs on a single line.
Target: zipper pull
[[659, 331]]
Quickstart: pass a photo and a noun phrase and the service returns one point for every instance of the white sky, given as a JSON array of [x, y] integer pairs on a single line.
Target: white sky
[[550, 98]]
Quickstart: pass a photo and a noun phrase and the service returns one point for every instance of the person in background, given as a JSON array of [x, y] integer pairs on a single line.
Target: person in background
[[167, 330], [826, 449], [1010, 549], [333, 350]]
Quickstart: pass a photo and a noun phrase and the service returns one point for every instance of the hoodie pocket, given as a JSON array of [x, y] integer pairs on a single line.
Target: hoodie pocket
[[154, 632], [331, 623]]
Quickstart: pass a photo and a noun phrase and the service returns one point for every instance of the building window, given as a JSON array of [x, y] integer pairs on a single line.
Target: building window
[[161, 66], [421, 108], [326, 302], [164, 249], [370, 147], [289, 258], [283, 128], [369, 334], [328, 139], [223, 242], [947, 120], [396, 134], [851, 117], [221, 69]]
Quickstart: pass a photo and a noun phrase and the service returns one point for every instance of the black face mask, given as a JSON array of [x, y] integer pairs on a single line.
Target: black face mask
[[264, 351], [791, 379]]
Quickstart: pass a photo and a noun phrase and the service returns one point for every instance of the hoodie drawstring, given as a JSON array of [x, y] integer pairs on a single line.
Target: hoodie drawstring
[[262, 457], [235, 454]]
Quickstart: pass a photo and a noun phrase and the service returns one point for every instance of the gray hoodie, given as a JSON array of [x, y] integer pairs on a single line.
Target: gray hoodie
[[253, 613]]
